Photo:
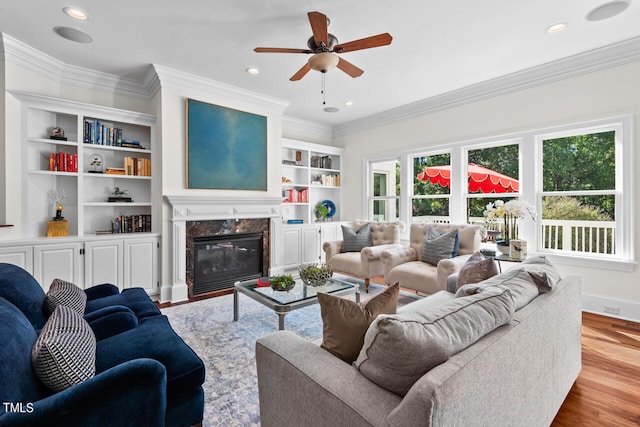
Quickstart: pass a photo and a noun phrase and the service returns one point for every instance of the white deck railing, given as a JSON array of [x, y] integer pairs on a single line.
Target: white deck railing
[[575, 236]]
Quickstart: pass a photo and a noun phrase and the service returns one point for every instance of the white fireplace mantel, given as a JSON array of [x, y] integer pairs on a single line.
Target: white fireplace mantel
[[204, 208]]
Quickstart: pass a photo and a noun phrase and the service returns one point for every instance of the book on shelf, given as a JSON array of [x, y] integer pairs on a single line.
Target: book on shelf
[[295, 195], [96, 132], [295, 221], [115, 171], [131, 224], [63, 162], [137, 166]]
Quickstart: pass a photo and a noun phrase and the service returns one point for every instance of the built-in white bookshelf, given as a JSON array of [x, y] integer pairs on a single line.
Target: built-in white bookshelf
[[86, 170], [311, 174]]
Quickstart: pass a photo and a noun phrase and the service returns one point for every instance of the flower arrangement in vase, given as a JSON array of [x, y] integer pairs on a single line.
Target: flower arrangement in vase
[[509, 212]]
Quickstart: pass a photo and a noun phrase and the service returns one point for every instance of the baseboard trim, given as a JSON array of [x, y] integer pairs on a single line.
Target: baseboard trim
[[626, 310]]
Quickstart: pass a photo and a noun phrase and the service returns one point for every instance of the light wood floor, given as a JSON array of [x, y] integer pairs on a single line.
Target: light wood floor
[[607, 392]]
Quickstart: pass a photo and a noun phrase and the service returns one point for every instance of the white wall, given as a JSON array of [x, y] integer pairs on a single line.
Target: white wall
[[602, 94], [175, 89]]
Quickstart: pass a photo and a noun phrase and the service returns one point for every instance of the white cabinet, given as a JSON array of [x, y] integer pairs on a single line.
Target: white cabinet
[[303, 243], [311, 174], [310, 244], [103, 263], [104, 150], [57, 261], [22, 256], [125, 262], [291, 243], [141, 264]]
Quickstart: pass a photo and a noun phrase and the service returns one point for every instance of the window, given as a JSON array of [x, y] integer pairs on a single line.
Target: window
[[431, 188], [384, 196], [578, 177], [579, 187], [493, 173]]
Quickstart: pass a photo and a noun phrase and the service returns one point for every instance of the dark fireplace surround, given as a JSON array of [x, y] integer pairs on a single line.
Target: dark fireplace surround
[[214, 231]]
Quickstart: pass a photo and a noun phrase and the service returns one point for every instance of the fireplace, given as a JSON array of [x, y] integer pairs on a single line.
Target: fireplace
[[220, 261], [200, 216], [221, 252]]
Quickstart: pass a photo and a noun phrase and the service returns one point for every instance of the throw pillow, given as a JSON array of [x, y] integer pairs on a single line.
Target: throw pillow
[[344, 322], [65, 352], [401, 348], [521, 284], [476, 269], [355, 241], [543, 273], [65, 293], [439, 246]]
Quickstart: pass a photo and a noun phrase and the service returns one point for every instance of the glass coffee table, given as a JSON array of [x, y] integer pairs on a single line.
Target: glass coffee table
[[282, 302]]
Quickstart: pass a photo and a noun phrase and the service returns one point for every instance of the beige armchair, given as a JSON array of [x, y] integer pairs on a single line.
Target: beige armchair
[[404, 264], [366, 263]]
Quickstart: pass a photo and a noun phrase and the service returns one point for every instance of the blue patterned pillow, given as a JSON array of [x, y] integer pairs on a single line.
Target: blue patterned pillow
[[439, 246], [355, 241]]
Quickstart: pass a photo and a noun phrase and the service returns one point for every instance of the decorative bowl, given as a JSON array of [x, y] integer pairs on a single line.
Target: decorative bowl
[[282, 283], [315, 274]]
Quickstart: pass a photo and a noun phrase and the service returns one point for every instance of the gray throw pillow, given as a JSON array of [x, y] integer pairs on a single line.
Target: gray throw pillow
[[65, 352], [543, 273], [437, 246], [522, 286], [476, 269], [355, 241], [65, 293], [399, 349]]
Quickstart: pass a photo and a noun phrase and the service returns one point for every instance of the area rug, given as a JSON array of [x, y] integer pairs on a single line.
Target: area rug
[[228, 348]]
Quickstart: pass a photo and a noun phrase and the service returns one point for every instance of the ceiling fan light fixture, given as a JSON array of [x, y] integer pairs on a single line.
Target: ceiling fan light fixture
[[323, 61]]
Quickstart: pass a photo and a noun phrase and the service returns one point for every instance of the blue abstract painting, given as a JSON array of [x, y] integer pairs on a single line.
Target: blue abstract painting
[[226, 148]]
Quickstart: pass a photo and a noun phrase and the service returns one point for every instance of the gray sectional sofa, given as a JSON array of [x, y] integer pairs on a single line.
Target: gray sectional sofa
[[516, 375]]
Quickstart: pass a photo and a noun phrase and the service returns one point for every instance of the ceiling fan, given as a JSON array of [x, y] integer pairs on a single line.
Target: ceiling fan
[[325, 46]]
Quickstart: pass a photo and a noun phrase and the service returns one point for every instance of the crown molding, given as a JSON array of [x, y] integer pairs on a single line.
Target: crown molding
[[203, 87], [610, 56], [33, 60], [295, 128]]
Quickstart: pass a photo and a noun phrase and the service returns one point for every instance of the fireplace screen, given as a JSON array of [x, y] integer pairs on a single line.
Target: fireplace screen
[[221, 260]]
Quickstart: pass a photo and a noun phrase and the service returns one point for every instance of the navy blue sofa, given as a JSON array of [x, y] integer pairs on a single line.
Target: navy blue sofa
[[146, 375]]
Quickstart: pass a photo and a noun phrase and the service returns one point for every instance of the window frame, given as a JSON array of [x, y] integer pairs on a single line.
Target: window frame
[[624, 246], [530, 143], [370, 170]]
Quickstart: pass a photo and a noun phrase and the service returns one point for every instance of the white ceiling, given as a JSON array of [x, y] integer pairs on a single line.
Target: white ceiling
[[437, 47]]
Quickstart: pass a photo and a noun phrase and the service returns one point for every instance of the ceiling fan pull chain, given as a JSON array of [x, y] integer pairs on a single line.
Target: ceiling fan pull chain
[[323, 91]]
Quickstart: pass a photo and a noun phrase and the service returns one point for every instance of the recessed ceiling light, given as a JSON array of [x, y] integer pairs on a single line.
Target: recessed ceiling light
[[73, 34], [75, 13], [556, 28], [607, 10], [348, 103], [331, 110], [252, 70]]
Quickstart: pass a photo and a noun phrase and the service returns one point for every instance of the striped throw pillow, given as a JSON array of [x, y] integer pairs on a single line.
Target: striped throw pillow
[[65, 293], [355, 241], [65, 352]]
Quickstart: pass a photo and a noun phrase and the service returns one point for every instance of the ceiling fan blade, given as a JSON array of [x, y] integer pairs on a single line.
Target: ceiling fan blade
[[365, 43], [318, 23], [349, 68], [301, 72], [280, 50]]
